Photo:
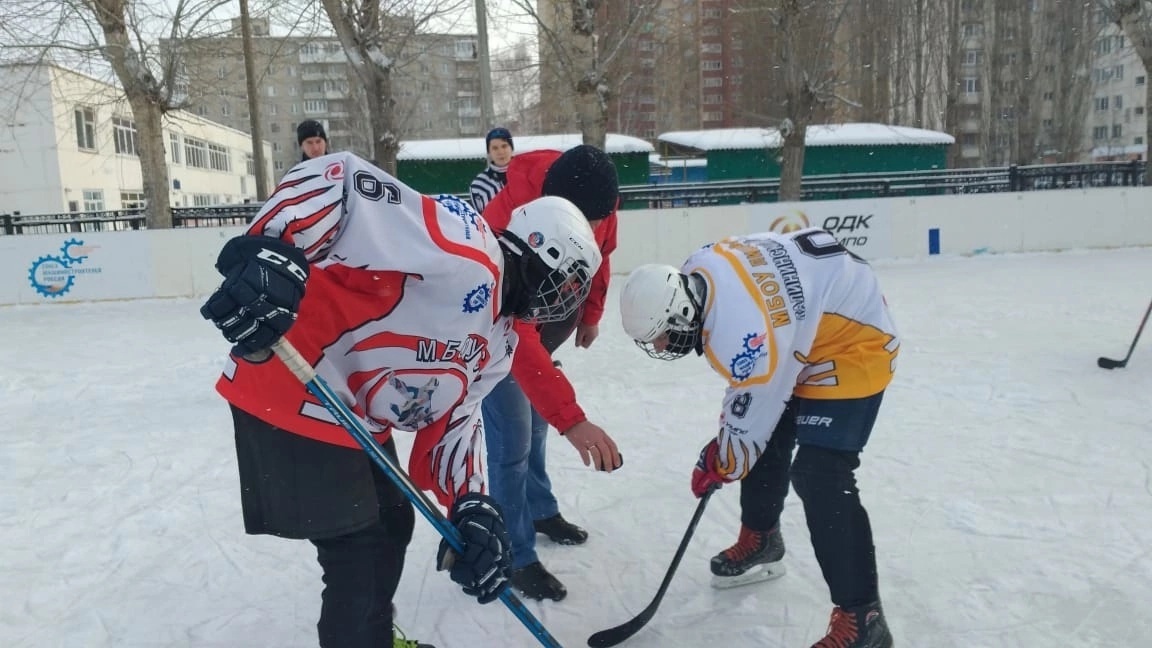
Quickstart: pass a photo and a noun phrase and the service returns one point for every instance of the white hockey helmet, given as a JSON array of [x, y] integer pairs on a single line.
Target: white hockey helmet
[[558, 256], [656, 300]]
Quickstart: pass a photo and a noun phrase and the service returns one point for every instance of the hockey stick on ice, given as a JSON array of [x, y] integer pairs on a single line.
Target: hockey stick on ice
[[320, 389], [1109, 363], [621, 633]]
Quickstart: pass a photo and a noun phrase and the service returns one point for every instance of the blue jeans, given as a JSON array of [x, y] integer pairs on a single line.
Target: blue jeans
[[517, 479]]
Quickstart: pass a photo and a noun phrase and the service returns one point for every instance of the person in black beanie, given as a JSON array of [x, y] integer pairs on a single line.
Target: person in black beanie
[[492, 179], [312, 139]]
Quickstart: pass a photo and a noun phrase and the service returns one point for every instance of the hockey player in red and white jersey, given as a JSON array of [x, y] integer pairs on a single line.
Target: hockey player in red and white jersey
[[405, 305], [797, 326]]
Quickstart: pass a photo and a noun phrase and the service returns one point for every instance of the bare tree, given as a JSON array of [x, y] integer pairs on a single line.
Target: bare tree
[[583, 46], [1062, 44], [254, 121], [677, 83], [1134, 17], [515, 83], [121, 33], [800, 81], [870, 58], [375, 34]]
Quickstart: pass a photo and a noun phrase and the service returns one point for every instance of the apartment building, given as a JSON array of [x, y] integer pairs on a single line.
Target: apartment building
[[675, 70], [70, 145], [436, 86], [1117, 119], [1014, 82]]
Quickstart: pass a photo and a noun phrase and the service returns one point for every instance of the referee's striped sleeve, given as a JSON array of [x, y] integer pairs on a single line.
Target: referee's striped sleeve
[[483, 189]]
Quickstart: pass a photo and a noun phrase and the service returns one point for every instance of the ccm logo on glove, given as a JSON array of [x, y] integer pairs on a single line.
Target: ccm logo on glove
[[275, 258]]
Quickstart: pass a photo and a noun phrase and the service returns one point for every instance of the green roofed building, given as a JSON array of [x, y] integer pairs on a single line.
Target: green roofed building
[[830, 149], [449, 165]]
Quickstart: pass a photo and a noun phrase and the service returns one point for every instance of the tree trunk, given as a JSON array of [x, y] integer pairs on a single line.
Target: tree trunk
[[865, 60], [1027, 119], [591, 94], [153, 165], [254, 121], [487, 112], [593, 114], [382, 117], [885, 22], [952, 94], [919, 43], [796, 108], [146, 101], [362, 39], [792, 163]]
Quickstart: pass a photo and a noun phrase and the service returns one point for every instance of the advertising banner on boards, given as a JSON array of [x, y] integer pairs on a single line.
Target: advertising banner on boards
[[863, 226], [80, 266]]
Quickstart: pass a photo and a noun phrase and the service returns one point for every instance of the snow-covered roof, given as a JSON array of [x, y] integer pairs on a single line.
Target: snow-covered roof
[[816, 135], [472, 148]]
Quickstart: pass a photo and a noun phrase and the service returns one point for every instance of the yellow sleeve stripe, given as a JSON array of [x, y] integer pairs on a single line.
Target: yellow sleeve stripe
[[754, 293]]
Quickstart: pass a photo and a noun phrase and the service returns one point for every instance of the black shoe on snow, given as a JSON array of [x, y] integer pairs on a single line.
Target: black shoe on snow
[[560, 531], [534, 582], [755, 557], [857, 627]]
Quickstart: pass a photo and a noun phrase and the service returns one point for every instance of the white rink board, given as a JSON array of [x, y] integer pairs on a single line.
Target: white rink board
[[178, 263], [82, 266]]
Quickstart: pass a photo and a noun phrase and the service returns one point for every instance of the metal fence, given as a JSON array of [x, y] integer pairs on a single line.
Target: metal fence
[[727, 192], [894, 184], [124, 219]]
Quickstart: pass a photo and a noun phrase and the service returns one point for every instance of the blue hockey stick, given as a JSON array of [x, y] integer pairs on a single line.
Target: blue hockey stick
[[320, 389]]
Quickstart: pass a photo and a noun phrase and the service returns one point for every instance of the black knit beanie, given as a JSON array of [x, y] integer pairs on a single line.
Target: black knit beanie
[[499, 133], [310, 128], [586, 176]]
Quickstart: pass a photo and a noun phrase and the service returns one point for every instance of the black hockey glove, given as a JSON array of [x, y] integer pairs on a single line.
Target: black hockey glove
[[483, 566], [258, 300]]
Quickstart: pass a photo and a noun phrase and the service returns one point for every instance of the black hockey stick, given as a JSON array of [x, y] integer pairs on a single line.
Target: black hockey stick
[[621, 633], [1109, 363]]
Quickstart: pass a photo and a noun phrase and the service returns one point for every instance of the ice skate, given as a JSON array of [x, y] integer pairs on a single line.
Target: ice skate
[[560, 531], [535, 582], [755, 557], [857, 627]]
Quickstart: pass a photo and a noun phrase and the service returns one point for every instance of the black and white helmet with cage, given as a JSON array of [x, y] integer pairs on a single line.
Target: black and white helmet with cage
[[557, 256], [661, 311]]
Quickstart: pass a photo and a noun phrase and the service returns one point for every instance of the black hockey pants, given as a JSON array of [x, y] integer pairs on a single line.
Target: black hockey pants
[[824, 478], [362, 571], [338, 499]]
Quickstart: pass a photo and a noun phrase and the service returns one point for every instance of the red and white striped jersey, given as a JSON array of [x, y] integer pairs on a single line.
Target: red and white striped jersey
[[400, 316], [788, 314]]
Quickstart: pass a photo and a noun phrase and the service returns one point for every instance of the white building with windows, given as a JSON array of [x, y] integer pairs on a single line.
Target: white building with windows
[[1117, 118], [68, 143]]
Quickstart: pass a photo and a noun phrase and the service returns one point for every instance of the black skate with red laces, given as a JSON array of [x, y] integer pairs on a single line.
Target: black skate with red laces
[[857, 627], [755, 557]]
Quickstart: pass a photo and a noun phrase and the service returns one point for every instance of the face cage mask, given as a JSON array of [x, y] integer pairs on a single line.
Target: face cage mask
[[560, 292], [683, 337]]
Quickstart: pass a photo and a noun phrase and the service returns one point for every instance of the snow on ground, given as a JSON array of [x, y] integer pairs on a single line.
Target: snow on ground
[[1008, 481]]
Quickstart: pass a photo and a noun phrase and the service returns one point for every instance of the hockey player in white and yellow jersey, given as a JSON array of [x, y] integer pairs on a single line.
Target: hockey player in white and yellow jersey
[[797, 326]]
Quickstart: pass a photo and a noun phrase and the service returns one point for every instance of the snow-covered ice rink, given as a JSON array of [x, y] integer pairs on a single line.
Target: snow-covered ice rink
[[1009, 482]]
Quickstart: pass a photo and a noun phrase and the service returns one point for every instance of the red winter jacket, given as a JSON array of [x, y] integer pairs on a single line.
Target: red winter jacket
[[546, 386]]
